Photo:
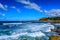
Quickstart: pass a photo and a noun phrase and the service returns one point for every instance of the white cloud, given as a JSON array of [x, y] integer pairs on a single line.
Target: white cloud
[[2, 7], [24, 1], [13, 7], [30, 5], [34, 6], [2, 14], [6, 6], [18, 10], [53, 12]]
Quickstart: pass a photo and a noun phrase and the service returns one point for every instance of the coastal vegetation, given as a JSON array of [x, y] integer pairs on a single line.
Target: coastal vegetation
[[50, 19]]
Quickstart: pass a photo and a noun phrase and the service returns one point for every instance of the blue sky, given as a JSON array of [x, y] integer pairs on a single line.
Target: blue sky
[[21, 10]]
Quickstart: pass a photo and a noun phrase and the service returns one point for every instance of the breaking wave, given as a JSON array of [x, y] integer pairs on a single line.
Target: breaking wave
[[30, 29]]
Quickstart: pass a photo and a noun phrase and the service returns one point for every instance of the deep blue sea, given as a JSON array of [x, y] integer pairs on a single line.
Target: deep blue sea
[[27, 30]]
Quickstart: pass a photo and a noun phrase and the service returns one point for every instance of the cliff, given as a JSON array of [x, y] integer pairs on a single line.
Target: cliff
[[50, 19]]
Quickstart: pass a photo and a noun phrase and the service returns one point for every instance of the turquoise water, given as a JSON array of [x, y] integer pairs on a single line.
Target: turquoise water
[[30, 31]]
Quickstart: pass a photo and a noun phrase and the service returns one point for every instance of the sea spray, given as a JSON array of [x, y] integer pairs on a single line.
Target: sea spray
[[29, 29]]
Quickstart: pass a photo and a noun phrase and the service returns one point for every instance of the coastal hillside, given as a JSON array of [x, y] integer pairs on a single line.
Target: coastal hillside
[[50, 19]]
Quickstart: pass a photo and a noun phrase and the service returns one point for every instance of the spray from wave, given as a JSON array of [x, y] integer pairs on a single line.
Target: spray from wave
[[29, 29]]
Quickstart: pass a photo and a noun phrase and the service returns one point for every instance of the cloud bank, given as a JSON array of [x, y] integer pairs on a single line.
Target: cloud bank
[[30, 5], [53, 12]]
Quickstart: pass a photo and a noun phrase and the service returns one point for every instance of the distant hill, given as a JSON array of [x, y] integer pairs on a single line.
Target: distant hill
[[50, 19]]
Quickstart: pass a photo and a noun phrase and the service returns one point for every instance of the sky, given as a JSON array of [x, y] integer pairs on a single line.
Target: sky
[[23, 10]]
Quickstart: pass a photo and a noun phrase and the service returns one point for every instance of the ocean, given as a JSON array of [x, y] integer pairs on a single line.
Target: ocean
[[27, 31]]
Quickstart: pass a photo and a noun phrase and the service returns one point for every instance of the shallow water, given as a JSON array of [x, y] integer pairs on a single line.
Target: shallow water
[[26, 30]]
